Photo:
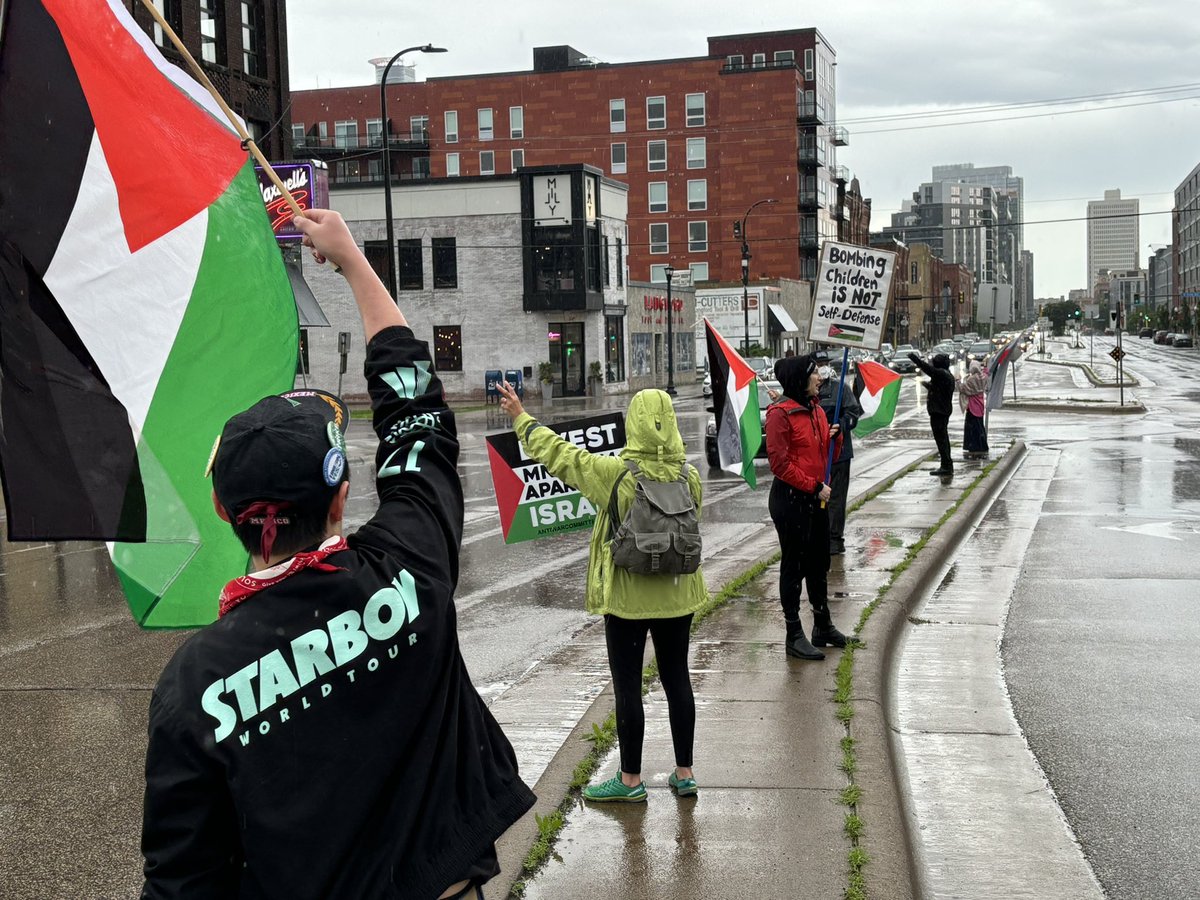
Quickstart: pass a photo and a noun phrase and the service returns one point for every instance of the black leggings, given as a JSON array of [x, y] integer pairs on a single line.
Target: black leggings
[[803, 529], [940, 425], [626, 640]]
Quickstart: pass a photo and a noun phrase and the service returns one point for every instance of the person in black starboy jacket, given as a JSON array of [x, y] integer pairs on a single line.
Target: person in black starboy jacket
[[322, 739]]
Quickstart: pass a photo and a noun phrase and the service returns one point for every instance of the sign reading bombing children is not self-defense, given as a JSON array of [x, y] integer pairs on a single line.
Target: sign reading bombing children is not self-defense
[[532, 502], [851, 297]]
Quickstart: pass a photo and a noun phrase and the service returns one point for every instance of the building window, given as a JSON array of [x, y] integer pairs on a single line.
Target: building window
[[618, 159], [518, 159], [616, 115], [452, 165], [620, 263], [656, 113], [451, 117], [658, 238], [697, 194], [298, 134], [658, 196], [212, 31], [808, 64], [915, 274], [445, 263], [484, 119], [656, 156], [785, 56], [695, 110], [418, 129], [697, 151], [699, 272], [374, 132], [447, 348], [345, 135], [604, 264], [411, 273], [172, 11], [420, 167], [697, 237], [658, 273], [614, 351], [758, 60], [736, 61], [254, 57], [323, 130], [376, 253], [487, 162], [516, 122]]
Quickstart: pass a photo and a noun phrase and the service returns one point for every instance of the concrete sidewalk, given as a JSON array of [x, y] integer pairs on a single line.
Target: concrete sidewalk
[[769, 819]]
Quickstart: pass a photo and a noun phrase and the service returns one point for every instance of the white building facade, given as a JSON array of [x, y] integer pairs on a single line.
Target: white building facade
[[1112, 236]]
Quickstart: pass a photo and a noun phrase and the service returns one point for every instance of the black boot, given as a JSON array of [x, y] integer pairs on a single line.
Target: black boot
[[797, 644], [824, 632]]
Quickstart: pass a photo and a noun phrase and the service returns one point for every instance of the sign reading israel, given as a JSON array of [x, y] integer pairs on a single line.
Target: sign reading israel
[[533, 503], [850, 303]]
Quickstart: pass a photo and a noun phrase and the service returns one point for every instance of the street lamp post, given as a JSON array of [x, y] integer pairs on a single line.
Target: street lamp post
[[670, 335], [387, 160], [739, 231]]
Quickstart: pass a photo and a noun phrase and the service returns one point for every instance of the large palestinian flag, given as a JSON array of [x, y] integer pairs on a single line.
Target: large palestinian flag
[[735, 402], [998, 370], [877, 388], [142, 301]]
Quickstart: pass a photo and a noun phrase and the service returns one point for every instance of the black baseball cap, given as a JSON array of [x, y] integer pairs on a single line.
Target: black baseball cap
[[288, 448]]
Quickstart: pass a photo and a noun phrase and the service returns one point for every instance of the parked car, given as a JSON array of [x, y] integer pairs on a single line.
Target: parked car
[[706, 387], [710, 431], [1182, 340], [900, 362], [979, 351], [763, 366], [1160, 337], [1146, 333], [947, 347], [885, 353]]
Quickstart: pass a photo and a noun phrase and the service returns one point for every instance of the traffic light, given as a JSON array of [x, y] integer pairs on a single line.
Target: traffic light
[[1078, 313], [737, 229], [962, 297]]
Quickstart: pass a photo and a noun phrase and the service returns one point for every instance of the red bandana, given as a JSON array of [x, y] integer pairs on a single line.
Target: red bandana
[[248, 585]]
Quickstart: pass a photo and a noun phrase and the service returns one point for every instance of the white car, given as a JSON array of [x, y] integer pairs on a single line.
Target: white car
[[706, 388]]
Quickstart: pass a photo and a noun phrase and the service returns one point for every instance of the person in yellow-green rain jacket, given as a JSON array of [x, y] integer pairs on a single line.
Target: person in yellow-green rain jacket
[[631, 604]]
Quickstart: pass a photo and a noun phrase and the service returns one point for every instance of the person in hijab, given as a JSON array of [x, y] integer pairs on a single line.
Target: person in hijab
[[972, 400], [798, 436], [941, 386], [631, 604], [839, 475]]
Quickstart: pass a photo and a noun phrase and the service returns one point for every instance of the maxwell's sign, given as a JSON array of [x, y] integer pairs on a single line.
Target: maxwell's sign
[[308, 184]]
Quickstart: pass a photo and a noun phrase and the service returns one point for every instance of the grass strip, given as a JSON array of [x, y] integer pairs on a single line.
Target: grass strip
[[857, 858]]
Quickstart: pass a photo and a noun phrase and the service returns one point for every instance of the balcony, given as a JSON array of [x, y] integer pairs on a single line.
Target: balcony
[[840, 173], [811, 200], [811, 155], [365, 179], [839, 136], [809, 242], [809, 112], [757, 67], [311, 145]]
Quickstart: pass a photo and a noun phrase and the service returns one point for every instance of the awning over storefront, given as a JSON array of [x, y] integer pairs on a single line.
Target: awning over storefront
[[307, 306], [781, 322]]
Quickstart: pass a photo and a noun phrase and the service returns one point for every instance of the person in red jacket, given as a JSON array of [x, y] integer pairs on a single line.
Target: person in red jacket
[[798, 436]]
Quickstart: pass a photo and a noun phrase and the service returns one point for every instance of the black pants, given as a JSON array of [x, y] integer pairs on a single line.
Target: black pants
[[839, 487], [803, 529], [941, 436], [626, 640]]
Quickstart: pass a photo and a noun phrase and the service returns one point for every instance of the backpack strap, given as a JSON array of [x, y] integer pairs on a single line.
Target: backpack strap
[[630, 466]]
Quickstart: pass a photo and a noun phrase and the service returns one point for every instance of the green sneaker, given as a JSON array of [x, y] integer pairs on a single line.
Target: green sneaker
[[615, 791], [683, 787]]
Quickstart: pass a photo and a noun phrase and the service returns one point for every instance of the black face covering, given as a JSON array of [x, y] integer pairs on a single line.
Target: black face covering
[[793, 373]]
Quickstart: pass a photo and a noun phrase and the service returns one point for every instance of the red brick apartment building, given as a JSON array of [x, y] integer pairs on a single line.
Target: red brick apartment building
[[699, 140]]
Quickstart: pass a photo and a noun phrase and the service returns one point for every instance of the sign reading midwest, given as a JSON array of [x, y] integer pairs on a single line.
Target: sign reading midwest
[[532, 502], [850, 303]]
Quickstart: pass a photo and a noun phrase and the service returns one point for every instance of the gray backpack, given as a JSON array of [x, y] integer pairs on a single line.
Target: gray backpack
[[660, 534]]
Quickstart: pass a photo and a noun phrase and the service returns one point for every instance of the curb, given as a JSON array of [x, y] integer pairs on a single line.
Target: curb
[[1102, 406], [1095, 379], [891, 827]]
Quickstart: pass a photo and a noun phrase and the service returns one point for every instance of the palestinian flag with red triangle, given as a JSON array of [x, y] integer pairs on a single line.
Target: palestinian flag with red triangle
[[735, 403], [878, 390], [143, 301]]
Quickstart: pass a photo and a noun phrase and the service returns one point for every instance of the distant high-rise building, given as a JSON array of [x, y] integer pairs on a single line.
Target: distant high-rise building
[[1160, 278], [1112, 235], [1027, 308], [957, 221]]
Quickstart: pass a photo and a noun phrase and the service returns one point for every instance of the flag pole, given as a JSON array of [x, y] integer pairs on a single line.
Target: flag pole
[[247, 141], [837, 417]]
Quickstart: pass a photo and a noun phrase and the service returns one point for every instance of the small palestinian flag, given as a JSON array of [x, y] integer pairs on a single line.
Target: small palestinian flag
[[877, 389], [143, 301], [735, 402], [847, 332]]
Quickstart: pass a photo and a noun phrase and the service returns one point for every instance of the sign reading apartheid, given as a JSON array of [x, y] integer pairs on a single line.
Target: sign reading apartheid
[[850, 303], [532, 502]]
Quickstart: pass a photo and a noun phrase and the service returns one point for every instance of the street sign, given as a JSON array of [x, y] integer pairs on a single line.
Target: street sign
[[1117, 354], [681, 278]]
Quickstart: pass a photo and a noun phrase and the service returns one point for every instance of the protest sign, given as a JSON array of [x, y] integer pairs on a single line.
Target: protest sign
[[532, 502], [850, 303]]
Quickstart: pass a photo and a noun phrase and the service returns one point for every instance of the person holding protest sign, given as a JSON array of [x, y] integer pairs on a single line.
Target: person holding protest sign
[[798, 436], [323, 738], [839, 473], [941, 386], [633, 601]]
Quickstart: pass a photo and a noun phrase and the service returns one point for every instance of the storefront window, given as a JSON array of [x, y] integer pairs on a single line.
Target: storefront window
[[447, 348], [614, 339]]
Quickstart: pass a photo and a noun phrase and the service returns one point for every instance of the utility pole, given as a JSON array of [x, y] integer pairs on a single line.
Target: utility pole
[[670, 335], [739, 231]]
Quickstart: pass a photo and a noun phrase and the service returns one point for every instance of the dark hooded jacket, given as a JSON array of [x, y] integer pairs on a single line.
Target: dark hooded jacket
[[942, 384]]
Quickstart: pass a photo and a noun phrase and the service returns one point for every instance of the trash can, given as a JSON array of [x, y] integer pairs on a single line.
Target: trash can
[[491, 385], [514, 377]]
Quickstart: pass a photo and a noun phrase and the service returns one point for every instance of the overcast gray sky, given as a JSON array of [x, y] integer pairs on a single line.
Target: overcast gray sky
[[893, 57]]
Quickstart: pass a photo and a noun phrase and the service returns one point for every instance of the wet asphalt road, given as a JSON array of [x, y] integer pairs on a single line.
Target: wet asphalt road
[[1099, 648]]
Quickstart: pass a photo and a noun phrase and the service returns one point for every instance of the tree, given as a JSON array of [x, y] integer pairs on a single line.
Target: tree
[[1059, 312]]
